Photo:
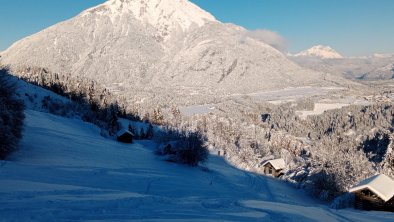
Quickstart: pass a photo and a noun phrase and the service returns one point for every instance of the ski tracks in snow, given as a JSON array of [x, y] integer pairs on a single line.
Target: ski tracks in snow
[[260, 185]]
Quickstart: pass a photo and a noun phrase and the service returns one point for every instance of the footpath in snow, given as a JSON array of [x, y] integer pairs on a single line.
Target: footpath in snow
[[64, 171]]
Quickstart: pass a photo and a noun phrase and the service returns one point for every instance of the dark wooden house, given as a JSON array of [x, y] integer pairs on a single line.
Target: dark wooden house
[[274, 167], [125, 136], [374, 193]]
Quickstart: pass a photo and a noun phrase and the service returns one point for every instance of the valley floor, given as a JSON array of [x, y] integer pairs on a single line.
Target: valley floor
[[64, 171]]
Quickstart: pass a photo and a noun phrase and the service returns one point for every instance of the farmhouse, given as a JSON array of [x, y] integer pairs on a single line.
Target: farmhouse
[[125, 136], [375, 193], [274, 167]]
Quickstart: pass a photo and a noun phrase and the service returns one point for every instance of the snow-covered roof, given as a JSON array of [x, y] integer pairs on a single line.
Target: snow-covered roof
[[381, 185], [123, 131], [278, 164]]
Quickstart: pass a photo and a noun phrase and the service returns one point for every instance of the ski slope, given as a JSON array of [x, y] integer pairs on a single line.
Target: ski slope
[[64, 171]]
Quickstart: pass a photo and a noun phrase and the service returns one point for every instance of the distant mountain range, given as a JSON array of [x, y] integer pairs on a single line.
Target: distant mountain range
[[326, 59], [170, 44]]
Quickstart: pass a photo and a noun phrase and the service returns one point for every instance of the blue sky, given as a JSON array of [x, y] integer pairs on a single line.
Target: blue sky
[[352, 27]]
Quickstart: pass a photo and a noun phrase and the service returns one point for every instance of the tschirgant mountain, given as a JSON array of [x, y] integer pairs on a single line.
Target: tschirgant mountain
[[167, 44]]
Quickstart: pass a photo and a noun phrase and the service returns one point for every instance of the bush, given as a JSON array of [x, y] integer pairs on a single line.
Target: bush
[[191, 149], [11, 115], [324, 185], [187, 148], [344, 201]]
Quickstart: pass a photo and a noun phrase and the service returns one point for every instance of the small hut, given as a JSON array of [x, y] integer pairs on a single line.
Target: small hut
[[125, 136], [374, 193], [274, 167]]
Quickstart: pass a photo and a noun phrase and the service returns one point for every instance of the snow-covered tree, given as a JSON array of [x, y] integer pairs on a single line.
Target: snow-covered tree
[[11, 115]]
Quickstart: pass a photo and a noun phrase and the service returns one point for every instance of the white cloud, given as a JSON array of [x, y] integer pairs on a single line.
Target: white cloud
[[270, 37]]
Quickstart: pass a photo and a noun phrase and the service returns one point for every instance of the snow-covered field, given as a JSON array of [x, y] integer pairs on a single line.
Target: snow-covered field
[[274, 97], [320, 108], [197, 109], [64, 171], [291, 93], [330, 104]]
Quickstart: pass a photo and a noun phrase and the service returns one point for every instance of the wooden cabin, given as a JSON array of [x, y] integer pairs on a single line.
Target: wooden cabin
[[125, 136], [374, 193], [274, 167]]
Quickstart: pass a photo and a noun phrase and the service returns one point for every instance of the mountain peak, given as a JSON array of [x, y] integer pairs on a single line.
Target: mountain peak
[[158, 46], [321, 51], [165, 15]]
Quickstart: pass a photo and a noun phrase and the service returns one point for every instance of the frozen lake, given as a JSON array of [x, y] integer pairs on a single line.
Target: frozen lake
[[291, 93], [197, 109]]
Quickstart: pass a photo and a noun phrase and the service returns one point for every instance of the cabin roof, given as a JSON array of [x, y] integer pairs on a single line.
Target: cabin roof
[[278, 164], [124, 131], [381, 185]]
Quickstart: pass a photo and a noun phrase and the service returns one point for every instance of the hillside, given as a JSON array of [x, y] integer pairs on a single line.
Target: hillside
[[65, 171]]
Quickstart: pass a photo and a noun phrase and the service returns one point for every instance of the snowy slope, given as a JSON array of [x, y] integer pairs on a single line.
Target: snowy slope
[[321, 51], [33, 96], [382, 73], [64, 171], [150, 45]]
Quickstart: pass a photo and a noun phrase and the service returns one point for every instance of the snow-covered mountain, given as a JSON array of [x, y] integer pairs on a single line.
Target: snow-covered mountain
[[166, 16], [376, 67], [383, 55], [321, 51], [150, 44], [382, 73]]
